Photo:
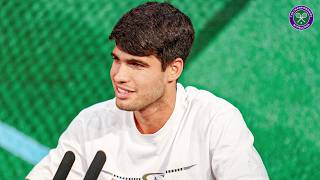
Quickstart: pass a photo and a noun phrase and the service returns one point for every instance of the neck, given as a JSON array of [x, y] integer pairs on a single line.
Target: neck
[[152, 118]]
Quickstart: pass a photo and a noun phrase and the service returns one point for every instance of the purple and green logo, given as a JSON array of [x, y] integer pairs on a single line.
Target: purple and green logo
[[301, 17]]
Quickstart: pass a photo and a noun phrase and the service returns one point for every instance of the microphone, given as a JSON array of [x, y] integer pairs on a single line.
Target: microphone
[[65, 166], [96, 166]]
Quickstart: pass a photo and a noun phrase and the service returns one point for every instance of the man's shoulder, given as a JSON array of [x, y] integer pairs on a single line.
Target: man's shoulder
[[207, 111], [102, 113], [207, 100], [98, 120], [108, 105]]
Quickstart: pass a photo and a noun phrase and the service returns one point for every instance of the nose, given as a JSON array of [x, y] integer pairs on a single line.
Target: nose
[[120, 73]]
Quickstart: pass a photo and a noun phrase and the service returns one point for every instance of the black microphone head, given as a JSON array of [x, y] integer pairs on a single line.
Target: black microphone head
[[65, 166], [96, 166]]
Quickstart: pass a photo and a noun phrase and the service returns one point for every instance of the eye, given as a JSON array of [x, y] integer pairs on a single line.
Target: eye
[[134, 64], [137, 64]]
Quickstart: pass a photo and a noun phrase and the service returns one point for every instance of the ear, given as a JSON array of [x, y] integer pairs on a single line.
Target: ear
[[174, 69]]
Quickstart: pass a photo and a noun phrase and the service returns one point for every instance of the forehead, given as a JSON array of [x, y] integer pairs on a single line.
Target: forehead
[[126, 56]]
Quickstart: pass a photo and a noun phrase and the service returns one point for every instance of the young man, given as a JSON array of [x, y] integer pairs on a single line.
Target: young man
[[155, 128]]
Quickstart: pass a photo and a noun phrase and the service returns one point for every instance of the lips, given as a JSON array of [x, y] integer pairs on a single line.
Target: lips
[[123, 93]]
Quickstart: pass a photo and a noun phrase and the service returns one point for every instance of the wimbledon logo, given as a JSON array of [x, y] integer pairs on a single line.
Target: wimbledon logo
[[301, 17]]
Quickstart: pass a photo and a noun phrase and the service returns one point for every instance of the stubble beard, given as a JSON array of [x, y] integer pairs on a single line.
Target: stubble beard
[[143, 100]]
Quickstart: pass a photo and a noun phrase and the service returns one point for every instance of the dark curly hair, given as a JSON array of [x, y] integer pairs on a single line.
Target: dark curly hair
[[157, 29]]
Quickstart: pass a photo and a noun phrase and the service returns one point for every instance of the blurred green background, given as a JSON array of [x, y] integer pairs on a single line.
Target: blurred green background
[[55, 61]]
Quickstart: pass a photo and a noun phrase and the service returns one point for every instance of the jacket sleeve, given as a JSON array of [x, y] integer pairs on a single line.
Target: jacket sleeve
[[233, 155]]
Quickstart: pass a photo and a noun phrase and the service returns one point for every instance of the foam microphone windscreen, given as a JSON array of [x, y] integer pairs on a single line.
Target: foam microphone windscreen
[[65, 166], [96, 166]]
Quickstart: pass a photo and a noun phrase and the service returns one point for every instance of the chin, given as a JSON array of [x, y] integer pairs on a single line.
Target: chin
[[125, 106]]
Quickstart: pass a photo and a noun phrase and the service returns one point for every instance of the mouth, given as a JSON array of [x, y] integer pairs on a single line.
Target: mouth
[[122, 93]]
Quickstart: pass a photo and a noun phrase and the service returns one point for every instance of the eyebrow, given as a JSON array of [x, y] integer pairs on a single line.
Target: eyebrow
[[131, 60], [114, 55]]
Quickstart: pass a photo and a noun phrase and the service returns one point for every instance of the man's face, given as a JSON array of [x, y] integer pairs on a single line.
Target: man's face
[[138, 81]]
